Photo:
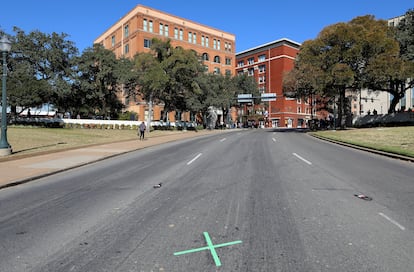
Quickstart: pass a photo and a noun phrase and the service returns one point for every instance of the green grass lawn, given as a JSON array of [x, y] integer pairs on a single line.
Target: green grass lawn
[[25, 140], [399, 140]]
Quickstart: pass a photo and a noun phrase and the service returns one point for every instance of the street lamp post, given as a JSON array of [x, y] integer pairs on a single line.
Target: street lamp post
[[5, 148]]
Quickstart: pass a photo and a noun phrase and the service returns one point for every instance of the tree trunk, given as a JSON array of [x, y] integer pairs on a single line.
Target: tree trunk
[[341, 108], [393, 104]]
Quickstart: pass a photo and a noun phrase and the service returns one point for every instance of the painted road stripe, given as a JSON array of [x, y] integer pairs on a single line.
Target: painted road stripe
[[222, 140], [273, 139], [392, 221], [196, 157], [299, 157]]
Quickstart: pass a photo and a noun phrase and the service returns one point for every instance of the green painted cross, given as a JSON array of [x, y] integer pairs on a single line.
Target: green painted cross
[[210, 247]]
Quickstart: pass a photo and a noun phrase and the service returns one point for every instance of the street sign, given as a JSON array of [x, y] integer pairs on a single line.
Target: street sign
[[268, 97], [244, 98]]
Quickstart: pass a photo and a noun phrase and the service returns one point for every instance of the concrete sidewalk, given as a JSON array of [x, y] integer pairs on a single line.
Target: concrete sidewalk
[[22, 170]]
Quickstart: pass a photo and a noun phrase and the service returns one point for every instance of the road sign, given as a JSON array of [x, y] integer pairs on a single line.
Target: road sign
[[268, 97], [244, 98]]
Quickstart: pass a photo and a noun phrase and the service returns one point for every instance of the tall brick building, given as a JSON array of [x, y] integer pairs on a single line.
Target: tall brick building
[[268, 63], [133, 33]]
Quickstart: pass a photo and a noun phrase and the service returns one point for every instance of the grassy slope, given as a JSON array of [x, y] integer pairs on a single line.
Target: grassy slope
[[399, 140]]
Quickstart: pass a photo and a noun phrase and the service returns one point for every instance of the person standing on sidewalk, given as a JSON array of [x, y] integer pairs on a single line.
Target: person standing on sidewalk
[[142, 128]]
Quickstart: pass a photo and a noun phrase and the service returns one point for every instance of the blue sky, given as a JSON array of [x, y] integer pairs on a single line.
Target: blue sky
[[253, 22]]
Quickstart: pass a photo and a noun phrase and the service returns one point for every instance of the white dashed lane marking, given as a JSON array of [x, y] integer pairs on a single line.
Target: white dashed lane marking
[[299, 157], [392, 221], [195, 158]]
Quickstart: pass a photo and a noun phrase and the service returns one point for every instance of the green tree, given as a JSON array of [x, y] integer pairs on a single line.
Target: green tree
[[392, 70], [405, 35], [169, 75], [98, 81], [40, 68], [340, 58]]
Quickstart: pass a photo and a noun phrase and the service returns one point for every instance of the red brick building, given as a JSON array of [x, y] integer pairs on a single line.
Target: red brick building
[[133, 33], [268, 63]]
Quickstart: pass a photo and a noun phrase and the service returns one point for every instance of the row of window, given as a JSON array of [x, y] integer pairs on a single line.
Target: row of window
[[216, 59], [163, 30], [251, 61], [178, 34], [250, 71]]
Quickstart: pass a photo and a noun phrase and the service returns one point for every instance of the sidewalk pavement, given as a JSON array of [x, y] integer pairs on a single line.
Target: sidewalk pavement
[[18, 171]]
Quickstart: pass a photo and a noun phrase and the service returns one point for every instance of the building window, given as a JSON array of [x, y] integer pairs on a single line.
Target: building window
[[205, 57], [218, 45], [216, 70], [217, 59], [113, 41], [151, 26], [145, 25], [240, 72], [240, 63], [202, 40], [190, 37], [299, 110], [228, 72], [228, 61], [227, 46], [126, 49], [261, 58], [299, 101], [250, 61], [126, 31], [161, 30], [250, 72], [214, 44], [207, 45], [181, 34], [147, 43], [262, 89], [166, 31], [262, 79], [176, 33], [194, 38], [262, 69]]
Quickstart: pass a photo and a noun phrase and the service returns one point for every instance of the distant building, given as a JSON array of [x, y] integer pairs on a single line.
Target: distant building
[[268, 63], [133, 33], [369, 102]]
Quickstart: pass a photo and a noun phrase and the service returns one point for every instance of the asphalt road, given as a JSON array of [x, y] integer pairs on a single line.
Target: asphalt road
[[253, 200]]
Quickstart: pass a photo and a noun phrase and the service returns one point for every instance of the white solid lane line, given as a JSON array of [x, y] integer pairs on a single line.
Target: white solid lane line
[[196, 157], [222, 140], [299, 157], [392, 221]]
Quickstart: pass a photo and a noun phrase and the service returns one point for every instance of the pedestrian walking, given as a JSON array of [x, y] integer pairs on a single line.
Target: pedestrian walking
[[142, 128]]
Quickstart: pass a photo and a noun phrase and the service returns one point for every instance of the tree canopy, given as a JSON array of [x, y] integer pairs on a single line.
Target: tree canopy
[[362, 53], [47, 68]]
